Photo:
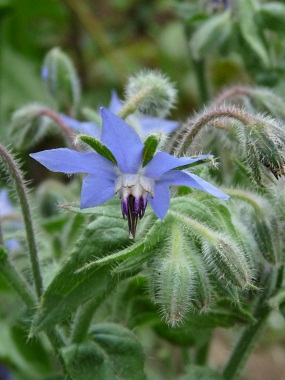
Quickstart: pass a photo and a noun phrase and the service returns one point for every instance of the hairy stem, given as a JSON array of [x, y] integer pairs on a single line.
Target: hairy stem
[[56, 117], [83, 319], [16, 175], [131, 105], [192, 128], [250, 334], [233, 92], [18, 282]]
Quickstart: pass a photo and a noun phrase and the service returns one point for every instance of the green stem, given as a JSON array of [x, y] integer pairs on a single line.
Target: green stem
[[132, 104], [202, 351], [192, 128], [83, 320], [199, 67], [16, 175], [64, 127], [250, 334], [18, 282]]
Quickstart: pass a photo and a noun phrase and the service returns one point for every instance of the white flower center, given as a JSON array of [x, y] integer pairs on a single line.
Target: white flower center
[[133, 190]]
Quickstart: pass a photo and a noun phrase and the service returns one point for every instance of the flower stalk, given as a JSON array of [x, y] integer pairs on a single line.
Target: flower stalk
[[16, 175], [132, 104], [16, 280], [191, 129]]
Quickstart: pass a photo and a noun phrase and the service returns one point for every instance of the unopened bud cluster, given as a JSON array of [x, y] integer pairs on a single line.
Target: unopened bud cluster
[[156, 95]]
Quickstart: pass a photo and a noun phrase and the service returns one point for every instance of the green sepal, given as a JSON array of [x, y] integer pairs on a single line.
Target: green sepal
[[194, 164], [150, 146], [112, 352], [98, 147]]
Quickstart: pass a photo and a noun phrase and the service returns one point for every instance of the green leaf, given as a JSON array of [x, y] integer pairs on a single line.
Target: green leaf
[[200, 373], [223, 314], [210, 35], [250, 31], [272, 16], [150, 146], [184, 335], [32, 350], [98, 147], [153, 236], [112, 353], [69, 288], [109, 209]]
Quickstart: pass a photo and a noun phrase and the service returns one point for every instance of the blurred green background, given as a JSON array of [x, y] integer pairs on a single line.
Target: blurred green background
[[107, 41]]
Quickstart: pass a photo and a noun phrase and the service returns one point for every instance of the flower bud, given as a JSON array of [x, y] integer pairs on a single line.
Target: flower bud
[[28, 126], [61, 80], [227, 261], [173, 279], [152, 92]]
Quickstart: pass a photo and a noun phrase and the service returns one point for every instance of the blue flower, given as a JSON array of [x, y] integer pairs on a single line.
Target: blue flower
[[144, 125], [124, 174], [6, 209]]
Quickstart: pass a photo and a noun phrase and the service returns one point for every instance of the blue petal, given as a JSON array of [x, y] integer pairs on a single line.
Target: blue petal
[[96, 191], [87, 127], [153, 124], [69, 161], [176, 177], [122, 141], [161, 200], [163, 162], [115, 104]]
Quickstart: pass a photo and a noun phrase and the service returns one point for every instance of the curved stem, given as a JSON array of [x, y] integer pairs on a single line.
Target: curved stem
[[250, 334], [191, 129], [131, 105], [56, 117], [18, 282], [232, 92], [16, 175]]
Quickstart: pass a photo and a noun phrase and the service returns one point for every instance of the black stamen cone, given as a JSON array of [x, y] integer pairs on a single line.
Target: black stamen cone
[[132, 216]]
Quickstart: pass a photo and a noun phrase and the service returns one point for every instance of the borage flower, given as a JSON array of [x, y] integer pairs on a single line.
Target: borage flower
[[124, 167]]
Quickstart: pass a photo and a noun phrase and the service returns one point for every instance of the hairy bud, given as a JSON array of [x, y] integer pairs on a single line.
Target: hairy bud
[[61, 80], [152, 92]]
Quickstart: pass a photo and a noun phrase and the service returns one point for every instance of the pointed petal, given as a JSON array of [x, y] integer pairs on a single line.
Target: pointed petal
[[87, 127], [122, 141], [69, 161], [163, 162], [161, 200], [116, 103], [95, 191], [176, 177], [153, 124]]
